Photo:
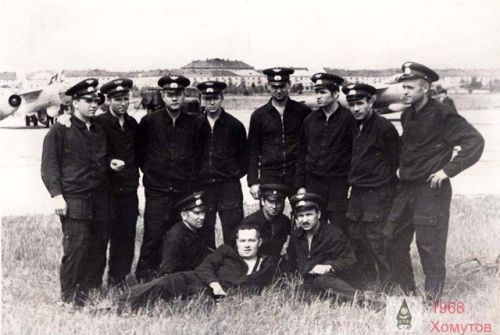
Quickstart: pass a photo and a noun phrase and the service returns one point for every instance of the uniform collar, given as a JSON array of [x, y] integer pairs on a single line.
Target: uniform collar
[[222, 119], [80, 124]]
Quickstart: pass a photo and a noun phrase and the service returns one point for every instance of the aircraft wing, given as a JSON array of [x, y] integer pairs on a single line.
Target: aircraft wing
[[31, 95]]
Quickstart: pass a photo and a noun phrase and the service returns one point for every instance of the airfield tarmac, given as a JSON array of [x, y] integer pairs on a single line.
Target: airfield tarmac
[[22, 191]]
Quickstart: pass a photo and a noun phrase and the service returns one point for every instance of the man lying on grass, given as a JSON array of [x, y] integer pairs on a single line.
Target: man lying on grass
[[224, 269]]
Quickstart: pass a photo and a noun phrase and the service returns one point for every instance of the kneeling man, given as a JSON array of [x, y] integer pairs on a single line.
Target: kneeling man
[[319, 251]]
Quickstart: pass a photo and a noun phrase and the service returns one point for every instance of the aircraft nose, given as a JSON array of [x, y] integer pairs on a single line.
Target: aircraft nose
[[14, 100]]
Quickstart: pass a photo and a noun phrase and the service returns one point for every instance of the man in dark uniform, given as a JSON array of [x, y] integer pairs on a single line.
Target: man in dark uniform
[[325, 149], [274, 135], [169, 153], [372, 177], [422, 202], [320, 252], [183, 246], [226, 268], [223, 164], [74, 170], [274, 226], [121, 135], [442, 95]]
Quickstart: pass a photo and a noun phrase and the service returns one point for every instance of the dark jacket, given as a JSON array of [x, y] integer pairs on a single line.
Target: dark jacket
[[329, 247], [183, 249], [169, 155], [225, 150], [429, 136], [74, 159], [225, 266], [274, 144], [449, 101], [122, 144], [375, 153], [274, 234], [326, 146]]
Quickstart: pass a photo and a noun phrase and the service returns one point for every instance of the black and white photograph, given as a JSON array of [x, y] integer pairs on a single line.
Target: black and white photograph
[[250, 167]]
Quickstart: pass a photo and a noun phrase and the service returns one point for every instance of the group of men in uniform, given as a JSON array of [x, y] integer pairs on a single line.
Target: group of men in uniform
[[358, 190]]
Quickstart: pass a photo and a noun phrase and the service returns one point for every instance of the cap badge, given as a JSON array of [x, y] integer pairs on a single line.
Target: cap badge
[[277, 77], [277, 70], [90, 81], [174, 77], [352, 92], [274, 192], [174, 85], [317, 75], [119, 88], [209, 83], [407, 68], [199, 202], [90, 89], [300, 196], [319, 82], [300, 203], [118, 81], [210, 90]]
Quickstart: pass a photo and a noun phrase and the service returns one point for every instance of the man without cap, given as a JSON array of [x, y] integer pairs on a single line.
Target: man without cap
[[422, 202], [442, 95], [224, 162], [372, 177], [183, 246], [169, 153], [121, 134], [274, 226], [225, 269], [274, 135], [74, 168], [325, 149], [320, 252]]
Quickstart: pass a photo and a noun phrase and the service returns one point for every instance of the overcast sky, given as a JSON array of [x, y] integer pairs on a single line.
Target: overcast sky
[[149, 34]]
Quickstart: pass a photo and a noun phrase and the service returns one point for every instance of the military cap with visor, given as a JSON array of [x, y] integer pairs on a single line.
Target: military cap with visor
[[273, 191], [173, 82], [278, 74], [412, 70], [117, 87], [190, 202], [359, 91], [327, 80], [85, 89], [211, 87], [305, 201]]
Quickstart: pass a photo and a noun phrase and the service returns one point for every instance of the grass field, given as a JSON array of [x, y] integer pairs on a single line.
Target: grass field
[[31, 251]]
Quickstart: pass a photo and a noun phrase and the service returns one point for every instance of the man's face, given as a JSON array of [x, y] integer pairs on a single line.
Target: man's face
[[361, 109], [325, 97], [119, 104], [194, 218], [173, 99], [414, 90], [212, 103], [279, 90], [272, 207], [86, 107], [248, 242], [308, 219]]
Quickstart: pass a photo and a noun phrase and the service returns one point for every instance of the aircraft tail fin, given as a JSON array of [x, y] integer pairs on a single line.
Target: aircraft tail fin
[[57, 77]]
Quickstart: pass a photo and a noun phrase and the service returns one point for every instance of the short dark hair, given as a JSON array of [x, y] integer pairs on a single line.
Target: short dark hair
[[248, 226]]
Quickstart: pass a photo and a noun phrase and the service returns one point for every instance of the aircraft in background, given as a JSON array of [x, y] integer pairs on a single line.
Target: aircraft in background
[[38, 105]]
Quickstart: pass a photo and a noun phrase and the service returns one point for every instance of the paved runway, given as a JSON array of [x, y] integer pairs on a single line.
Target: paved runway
[[22, 190]]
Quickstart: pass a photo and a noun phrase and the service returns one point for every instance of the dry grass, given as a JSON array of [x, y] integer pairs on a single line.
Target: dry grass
[[31, 251]]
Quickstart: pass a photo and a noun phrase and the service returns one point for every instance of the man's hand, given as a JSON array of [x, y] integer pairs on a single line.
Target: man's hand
[[60, 206], [64, 119], [437, 178], [117, 164], [255, 191], [321, 269], [217, 290], [301, 190]]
